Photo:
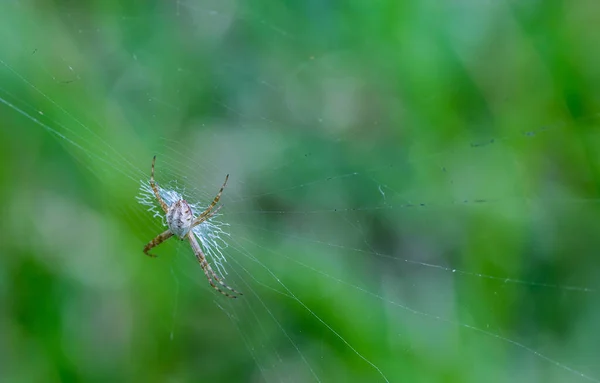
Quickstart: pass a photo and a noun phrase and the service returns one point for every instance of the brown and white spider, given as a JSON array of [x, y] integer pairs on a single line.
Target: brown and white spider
[[181, 221]]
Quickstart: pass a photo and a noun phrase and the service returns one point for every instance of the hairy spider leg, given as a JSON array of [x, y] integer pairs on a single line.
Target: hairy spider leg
[[203, 217], [157, 241], [155, 189], [208, 271], [199, 221]]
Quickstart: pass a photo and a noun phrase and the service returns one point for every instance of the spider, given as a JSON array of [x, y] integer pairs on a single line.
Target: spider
[[181, 221]]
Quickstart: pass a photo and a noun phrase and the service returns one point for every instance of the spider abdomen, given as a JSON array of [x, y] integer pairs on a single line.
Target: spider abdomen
[[180, 218]]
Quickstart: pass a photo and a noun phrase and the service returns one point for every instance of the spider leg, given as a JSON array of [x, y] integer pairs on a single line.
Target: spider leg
[[157, 241], [198, 220], [163, 205], [208, 271], [206, 212]]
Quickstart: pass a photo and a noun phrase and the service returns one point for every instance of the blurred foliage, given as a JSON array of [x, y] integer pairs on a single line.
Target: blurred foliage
[[414, 189]]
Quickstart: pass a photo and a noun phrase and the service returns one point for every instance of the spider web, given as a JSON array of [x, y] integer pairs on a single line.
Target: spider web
[[371, 241]]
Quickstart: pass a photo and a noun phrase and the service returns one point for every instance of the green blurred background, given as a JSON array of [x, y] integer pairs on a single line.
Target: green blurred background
[[414, 191]]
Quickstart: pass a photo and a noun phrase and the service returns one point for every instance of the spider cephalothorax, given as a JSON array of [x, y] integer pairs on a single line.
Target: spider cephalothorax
[[181, 221]]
